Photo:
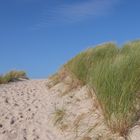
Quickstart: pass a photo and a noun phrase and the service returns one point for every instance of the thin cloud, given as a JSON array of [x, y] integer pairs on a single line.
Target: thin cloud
[[88, 9], [76, 11]]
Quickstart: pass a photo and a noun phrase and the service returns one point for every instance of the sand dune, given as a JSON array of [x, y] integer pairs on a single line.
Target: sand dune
[[42, 110]]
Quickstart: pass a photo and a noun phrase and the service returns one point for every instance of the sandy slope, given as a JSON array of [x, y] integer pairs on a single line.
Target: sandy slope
[[42, 110]]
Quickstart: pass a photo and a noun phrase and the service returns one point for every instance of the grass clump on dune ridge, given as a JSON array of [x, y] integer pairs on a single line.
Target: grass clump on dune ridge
[[12, 76], [81, 64], [114, 74]]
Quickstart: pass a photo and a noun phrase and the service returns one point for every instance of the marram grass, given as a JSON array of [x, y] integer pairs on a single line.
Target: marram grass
[[114, 74], [12, 76]]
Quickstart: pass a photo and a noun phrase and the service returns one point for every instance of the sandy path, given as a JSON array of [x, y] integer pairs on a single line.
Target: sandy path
[[28, 112], [23, 111]]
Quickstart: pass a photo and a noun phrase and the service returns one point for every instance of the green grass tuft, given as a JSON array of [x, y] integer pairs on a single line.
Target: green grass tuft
[[12, 76], [59, 115], [114, 74]]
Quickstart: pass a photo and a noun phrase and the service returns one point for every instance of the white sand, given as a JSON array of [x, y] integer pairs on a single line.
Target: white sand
[[134, 133], [28, 112]]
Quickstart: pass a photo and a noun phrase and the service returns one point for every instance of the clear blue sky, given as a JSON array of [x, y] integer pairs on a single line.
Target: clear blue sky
[[39, 36]]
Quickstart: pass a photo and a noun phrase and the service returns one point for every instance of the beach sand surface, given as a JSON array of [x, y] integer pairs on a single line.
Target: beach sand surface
[[45, 110]]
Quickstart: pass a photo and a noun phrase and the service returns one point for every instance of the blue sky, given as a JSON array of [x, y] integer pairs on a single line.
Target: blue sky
[[39, 36]]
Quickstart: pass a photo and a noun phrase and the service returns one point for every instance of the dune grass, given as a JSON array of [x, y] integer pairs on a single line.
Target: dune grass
[[114, 74], [59, 115], [82, 63], [12, 76]]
